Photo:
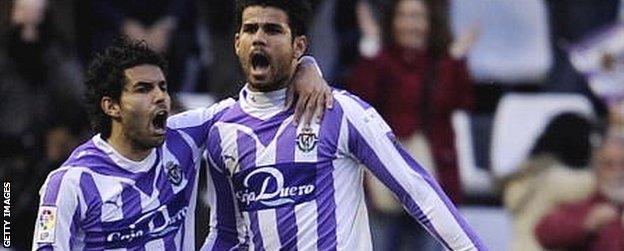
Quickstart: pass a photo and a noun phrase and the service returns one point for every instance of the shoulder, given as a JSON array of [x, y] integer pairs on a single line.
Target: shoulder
[[349, 101], [358, 111], [64, 181]]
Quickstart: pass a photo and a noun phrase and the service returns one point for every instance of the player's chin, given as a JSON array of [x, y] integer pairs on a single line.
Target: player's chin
[[155, 141]]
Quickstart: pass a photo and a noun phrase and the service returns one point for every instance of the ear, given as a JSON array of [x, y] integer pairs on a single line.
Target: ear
[[237, 43], [300, 46], [110, 107]]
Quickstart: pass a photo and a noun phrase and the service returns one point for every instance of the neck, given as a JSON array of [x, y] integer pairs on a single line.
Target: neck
[[269, 87], [124, 146]]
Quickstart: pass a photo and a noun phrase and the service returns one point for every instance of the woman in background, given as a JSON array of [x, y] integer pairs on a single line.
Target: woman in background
[[416, 77]]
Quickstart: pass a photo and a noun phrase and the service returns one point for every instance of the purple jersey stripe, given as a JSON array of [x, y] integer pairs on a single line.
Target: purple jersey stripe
[[414, 165], [226, 218], [214, 149], [74, 227], [287, 227], [182, 152], [182, 235], [360, 147], [246, 150], [166, 194], [169, 241], [326, 205], [285, 152], [131, 201], [285, 216], [95, 238], [53, 187], [255, 230], [329, 133]]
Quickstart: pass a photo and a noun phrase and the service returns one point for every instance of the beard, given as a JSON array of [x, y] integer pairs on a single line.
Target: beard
[[140, 137]]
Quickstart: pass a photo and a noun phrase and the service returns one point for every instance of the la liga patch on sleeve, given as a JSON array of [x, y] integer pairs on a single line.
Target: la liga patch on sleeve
[[46, 224]]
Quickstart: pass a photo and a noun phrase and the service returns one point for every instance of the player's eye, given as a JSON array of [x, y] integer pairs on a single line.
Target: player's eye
[[250, 28], [273, 29], [143, 88]]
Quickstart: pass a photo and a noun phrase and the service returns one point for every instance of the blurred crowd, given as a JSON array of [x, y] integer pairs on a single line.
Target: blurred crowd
[[419, 62]]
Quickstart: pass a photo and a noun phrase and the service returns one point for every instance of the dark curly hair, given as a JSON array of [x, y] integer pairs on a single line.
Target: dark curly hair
[[299, 13], [106, 78]]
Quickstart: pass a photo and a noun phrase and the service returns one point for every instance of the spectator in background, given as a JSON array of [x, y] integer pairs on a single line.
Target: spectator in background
[[168, 27], [594, 222], [415, 75], [554, 172], [39, 71], [414, 59]]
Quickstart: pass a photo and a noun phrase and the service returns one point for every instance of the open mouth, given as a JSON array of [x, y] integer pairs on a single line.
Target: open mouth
[[259, 61], [160, 121]]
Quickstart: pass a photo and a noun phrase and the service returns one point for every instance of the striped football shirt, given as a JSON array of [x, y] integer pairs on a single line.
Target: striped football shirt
[[275, 186], [100, 200]]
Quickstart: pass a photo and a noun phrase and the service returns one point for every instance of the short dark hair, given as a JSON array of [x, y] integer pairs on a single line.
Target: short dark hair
[[298, 11], [567, 138], [106, 78]]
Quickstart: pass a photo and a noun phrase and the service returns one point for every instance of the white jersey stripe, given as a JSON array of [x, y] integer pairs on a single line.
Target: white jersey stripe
[[268, 228], [305, 214]]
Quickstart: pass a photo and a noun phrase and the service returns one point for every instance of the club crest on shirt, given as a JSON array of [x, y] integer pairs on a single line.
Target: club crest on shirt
[[46, 224], [174, 173], [306, 140]]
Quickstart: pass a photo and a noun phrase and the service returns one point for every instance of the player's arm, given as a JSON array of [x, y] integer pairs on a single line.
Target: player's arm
[[59, 215], [226, 228], [372, 142], [310, 91], [196, 123]]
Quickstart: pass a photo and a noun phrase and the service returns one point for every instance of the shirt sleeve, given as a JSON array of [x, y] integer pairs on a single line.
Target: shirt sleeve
[[371, 141], [227, 230], [197, 122], [59, 215]]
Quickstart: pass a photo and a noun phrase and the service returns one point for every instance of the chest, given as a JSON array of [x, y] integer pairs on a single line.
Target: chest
[[132, 211]]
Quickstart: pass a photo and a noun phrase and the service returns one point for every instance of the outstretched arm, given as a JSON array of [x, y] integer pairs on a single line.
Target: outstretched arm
[[372, 142]]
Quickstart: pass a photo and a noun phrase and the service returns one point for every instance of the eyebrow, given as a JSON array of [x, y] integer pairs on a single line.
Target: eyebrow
[[144, 83]]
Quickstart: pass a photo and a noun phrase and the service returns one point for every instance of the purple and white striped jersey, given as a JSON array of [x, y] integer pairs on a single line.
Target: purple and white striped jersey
[[99, 200], [280, 187]]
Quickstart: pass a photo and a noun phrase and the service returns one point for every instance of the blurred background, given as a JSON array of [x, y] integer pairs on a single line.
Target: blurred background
[[514, 105]]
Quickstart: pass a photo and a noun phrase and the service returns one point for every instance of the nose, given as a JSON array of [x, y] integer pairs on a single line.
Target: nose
[[160, 95], [259, 39]]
